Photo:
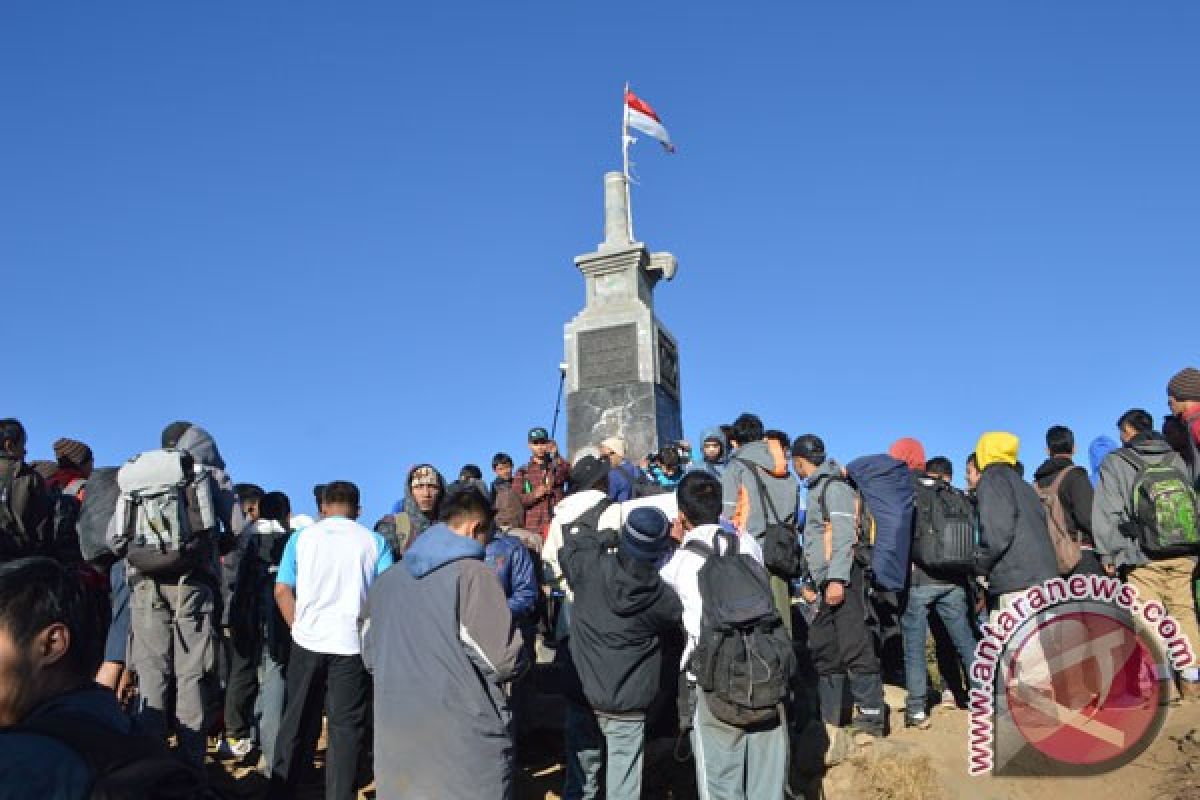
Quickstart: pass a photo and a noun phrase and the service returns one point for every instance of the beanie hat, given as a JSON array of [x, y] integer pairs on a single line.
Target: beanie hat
[[645, 534], [71, 453], [1185, 385], [587, 472], [616, 444], [810, 448], [910, 451]]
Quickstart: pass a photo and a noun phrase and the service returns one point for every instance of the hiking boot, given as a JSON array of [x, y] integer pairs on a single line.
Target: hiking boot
[[919, 720], [1189, 691], [232, 747]]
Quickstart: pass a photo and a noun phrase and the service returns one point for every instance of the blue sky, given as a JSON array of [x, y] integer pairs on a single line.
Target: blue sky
[[341, 235]]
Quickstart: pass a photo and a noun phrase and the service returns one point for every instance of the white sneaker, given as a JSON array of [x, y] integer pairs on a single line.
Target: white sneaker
[[948, 699], [232, 747]]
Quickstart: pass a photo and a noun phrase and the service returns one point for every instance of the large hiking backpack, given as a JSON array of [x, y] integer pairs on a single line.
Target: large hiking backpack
[[780, 545], [99, 505], [123, 766], [170, 513], [743, 659], [1066, 546], [885, 487], [1163, 515], [944, 532]]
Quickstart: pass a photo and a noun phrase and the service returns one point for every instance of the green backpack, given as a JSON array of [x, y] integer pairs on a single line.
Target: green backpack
[[1164, 518]]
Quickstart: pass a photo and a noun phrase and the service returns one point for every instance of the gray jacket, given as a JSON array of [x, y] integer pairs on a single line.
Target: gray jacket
[[782, 491], [439, 640], [1114, 496], [828, 492]]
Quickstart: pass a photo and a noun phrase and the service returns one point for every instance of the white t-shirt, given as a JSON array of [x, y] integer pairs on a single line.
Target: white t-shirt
[[331, 564]]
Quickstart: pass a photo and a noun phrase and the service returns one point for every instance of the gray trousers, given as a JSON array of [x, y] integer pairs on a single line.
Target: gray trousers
[[268, 706], [173, 648], [595, 740], [737, 764]]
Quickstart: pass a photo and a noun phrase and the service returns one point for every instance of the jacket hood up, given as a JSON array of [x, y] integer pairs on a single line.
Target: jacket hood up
[[436, 548], [201, 446], [1100, 447], [996, 448], [1053, 466], [717, 435], [420, 520]]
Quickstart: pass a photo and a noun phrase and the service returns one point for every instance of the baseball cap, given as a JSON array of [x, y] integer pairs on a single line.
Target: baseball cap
[[538, 435]]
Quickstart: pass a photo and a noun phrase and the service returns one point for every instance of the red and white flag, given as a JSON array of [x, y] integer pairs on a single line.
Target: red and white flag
[[640, 116]]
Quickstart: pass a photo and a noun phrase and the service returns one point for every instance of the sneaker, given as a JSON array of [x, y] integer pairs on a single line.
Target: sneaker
[[949, 701], [232, 747], [919, 720]]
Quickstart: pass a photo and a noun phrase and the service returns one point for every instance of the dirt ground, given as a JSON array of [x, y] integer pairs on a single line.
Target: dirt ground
[[909, 764]]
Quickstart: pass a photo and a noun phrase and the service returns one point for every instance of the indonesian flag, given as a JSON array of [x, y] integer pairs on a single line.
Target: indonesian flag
[[640, 116]]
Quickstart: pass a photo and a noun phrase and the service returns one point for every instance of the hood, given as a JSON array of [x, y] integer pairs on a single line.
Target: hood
[[766, 453], [420, 520], [996, 448], [828, 467], [200, 444], [1052, 466], [1100, 447], [1150, 443], [910, 451], [631, 586], [714, 433], [436, 548], [573, 505]]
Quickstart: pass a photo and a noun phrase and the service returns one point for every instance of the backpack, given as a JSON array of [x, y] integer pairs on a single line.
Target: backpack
[[884, 515], [781, 550], [743, 659], [65, 507], [170, 513], [1066, 546], [396, 529], [124, 766], [1163, 509], [99, 505], [590, 519], [944, 532]]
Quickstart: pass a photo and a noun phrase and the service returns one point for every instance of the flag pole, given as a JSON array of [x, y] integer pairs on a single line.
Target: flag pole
[[625, 159]]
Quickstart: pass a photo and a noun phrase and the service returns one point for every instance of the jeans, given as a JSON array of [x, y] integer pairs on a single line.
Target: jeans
[[339, 685], [950, 603], [268, 707]]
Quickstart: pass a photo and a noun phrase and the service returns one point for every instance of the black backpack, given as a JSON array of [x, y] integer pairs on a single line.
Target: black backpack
[[780, 545], [743, 659], [64, 520], [99, 505], [944, 533], [124, 766]]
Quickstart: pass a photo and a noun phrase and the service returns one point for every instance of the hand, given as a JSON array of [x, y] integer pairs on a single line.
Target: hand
[[835, 594], [541, 491], [1110, 570]]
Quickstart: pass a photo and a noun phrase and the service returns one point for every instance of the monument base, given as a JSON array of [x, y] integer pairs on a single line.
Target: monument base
[[644, 414]]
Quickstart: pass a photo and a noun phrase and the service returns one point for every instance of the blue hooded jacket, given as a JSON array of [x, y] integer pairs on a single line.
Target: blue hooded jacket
[[437, 547], [1098, 450]]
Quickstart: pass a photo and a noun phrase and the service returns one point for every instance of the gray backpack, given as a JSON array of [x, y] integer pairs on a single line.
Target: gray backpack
[[169, 512]]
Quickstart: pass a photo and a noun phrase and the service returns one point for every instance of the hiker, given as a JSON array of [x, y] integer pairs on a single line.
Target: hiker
[[470, 476], [541, 483], [502, 467], [943, 516], [439, 640], [622, 609], [839, 636], [25, 513], [1014, 552], [624, 475], [741, 762], [666, 471], [758, 492], [258, 636], [1183, 398], [61, 734], [323, 579], [589, 493], [1067, 494], [65, 489], [714, 450], [174, 576], [424, 489], [1131, 539]]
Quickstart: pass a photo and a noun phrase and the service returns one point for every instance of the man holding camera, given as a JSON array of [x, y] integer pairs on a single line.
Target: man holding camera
[[542, 482]]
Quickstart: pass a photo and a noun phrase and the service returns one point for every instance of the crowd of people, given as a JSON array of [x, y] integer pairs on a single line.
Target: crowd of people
[[735, 599]]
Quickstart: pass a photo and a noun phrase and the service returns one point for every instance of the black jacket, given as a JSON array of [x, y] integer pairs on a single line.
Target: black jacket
[[1015, 552], [621, 610], [1075, 492], [27, 509]]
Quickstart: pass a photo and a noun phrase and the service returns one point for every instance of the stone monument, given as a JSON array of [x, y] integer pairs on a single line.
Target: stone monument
[[622, 365]]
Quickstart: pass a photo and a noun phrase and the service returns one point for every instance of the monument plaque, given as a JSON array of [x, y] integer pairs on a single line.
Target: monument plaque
[[607, 356], [622, 365]]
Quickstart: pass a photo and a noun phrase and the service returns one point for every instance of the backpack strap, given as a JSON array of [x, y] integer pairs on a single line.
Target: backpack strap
[[700, 548], [706, 551]]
